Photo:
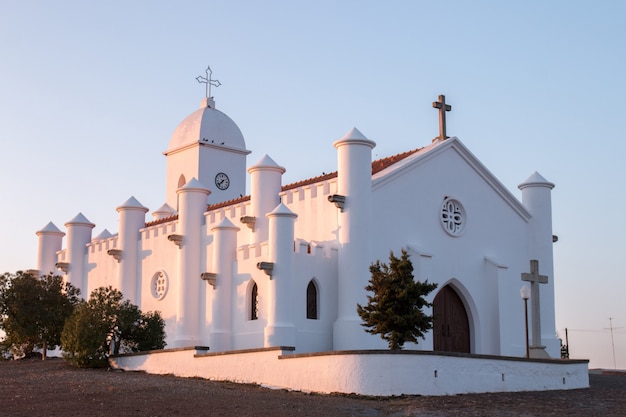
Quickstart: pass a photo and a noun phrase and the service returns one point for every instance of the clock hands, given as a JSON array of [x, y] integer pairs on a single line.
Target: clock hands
[[222, 181]]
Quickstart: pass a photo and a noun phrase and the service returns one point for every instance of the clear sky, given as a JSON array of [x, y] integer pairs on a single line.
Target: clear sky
[[90, 93]]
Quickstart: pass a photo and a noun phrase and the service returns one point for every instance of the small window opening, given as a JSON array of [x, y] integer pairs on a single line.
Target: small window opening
[[254, 302], [311, 301], [181, 181]]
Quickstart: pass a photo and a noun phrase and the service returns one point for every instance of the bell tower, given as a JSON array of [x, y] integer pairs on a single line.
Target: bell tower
[[208, 146]]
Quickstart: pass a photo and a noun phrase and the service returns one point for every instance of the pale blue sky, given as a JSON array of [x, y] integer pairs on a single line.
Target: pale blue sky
[[91, 92]]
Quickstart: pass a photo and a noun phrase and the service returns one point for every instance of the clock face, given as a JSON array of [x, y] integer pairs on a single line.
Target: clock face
[[222, 181]]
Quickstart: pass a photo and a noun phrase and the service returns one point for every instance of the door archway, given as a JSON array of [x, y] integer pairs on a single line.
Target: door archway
[[451, 330]]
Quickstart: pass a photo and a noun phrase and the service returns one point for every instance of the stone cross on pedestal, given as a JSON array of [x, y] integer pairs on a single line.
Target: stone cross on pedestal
[[537, 350], [443, 108]]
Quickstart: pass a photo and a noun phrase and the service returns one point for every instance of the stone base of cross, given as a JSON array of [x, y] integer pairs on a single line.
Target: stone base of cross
[[536, 350]]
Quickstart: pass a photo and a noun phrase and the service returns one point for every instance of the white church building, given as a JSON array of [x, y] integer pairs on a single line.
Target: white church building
[[284, 265]]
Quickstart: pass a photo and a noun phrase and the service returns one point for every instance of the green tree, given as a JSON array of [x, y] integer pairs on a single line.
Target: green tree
[[149, 334], [108, 324], [394, 311], [84, 338], [33, 311]]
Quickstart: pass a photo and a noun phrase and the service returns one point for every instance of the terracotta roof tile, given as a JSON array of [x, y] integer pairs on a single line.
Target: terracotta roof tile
[[163, 220], [377, 166], [228, 203], [383, 163], [309, 181]]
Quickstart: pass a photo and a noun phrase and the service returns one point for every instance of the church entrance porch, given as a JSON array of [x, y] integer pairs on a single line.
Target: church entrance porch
[[451, 331]]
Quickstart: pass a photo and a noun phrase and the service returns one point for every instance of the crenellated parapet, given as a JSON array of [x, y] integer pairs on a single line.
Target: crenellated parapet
[[159, 231], [303, 249], [315, 249], [310, 200], [232, 212], [97, 246]]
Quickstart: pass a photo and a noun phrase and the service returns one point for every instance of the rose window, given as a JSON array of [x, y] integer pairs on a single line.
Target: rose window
[[159, 285], [452, 217]]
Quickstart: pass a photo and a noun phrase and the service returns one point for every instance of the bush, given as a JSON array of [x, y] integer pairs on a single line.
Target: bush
[[84, 338], [107, 324]]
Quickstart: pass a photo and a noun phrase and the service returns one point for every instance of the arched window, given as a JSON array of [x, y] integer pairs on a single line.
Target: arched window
[[311, 301], [254, 302], [181, 181]]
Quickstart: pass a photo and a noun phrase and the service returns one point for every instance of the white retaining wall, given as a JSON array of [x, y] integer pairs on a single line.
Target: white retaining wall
[[380, 373]]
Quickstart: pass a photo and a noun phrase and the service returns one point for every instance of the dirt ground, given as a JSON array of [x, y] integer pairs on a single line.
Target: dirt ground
[[54, 388]]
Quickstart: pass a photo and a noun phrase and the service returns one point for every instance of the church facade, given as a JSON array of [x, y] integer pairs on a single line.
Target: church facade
[[286, 265]]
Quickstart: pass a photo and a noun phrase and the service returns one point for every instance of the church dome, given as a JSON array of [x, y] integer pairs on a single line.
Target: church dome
[[208, 126]]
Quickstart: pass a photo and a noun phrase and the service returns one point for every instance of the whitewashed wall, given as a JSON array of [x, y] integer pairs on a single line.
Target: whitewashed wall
[[380, 373]]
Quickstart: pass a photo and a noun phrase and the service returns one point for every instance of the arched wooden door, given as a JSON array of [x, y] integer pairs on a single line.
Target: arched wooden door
[[450, 323]]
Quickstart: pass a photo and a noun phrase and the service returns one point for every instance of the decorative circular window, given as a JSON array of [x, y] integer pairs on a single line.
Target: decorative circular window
[[453, 217], [159, 285]]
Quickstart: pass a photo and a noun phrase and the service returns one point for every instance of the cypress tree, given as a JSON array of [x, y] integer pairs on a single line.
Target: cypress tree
[[394, 310]]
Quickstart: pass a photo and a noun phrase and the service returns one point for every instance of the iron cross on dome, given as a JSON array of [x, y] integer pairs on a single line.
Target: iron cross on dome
[[208, 81], [443, 108]]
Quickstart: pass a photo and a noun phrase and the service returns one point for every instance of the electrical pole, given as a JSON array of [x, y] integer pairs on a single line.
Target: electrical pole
[[611, 328]]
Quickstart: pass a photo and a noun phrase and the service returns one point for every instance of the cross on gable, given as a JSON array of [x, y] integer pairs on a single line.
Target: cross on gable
[[534, 276], [443, 108]]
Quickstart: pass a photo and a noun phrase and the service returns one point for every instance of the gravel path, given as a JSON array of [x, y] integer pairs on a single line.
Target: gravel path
[[54, 388]]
